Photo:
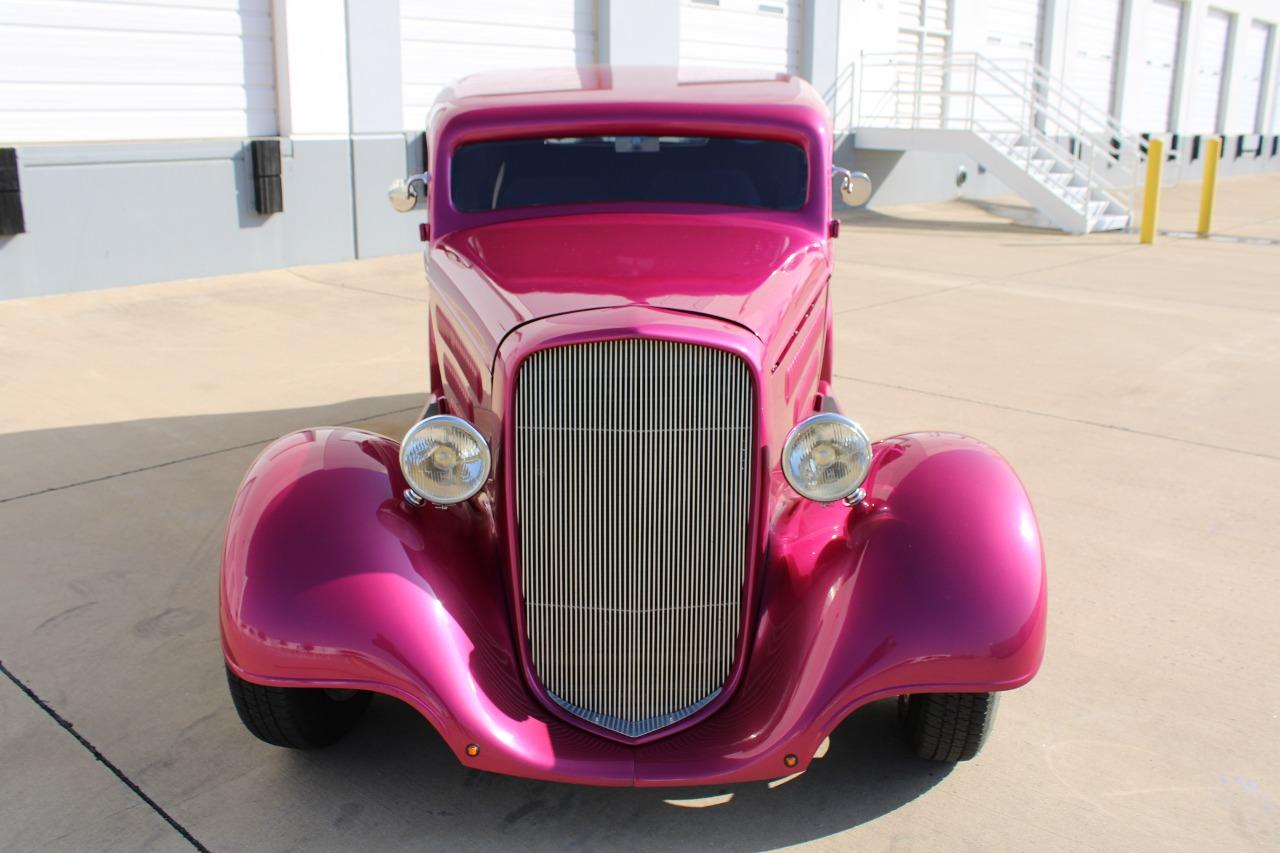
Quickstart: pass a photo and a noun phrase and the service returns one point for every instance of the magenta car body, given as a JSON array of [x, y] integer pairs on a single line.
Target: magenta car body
[[933, 583]]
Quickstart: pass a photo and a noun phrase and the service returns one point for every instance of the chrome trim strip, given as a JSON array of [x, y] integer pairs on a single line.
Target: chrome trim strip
[[634, 728]]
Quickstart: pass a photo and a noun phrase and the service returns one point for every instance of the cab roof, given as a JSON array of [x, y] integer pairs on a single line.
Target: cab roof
[[600, 85]]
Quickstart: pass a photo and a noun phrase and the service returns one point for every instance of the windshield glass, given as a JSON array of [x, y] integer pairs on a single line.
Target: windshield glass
[[582, 169]]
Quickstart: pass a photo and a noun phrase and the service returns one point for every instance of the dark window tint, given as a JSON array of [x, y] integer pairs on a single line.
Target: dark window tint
[[705, 170]]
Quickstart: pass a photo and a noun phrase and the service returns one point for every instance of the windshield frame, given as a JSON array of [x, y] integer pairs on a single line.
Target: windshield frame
[[602, 155], [805, 128]]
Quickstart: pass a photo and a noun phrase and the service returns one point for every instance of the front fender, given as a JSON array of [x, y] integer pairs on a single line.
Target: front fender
[[329, 580], [935, 583]]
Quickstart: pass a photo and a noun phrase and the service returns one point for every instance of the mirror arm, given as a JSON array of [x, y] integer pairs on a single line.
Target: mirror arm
[[855, 187], [403, 194]]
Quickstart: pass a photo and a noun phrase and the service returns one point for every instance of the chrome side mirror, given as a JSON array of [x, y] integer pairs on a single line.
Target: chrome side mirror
[[855, 187], [403, 194]]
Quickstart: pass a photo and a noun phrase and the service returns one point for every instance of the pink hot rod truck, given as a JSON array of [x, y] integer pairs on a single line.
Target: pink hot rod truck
[[633, 539]]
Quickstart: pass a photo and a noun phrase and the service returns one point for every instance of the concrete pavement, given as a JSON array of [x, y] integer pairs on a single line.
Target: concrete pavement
[[1134, 388]]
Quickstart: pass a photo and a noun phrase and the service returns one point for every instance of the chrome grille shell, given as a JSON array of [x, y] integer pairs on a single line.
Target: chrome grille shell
[[633, 479]]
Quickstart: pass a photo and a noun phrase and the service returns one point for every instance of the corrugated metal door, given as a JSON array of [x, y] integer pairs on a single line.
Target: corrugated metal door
[[115, 71], [442, 40], [1246, 94], [1211, 58], [1012, 30], [1012, 46], [742, 33], [1159, 65], [1093, 38], [924, 39]]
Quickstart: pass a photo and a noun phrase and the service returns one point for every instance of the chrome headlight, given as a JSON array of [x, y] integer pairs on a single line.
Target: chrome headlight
[[444, 459], [826, 457]]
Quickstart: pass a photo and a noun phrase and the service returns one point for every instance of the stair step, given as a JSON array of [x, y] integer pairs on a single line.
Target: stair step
[[1047, 167], [1060, 176], [1109, 222]]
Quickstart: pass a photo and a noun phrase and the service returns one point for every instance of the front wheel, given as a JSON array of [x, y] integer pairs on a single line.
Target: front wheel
[[948, 726], [296, 717]]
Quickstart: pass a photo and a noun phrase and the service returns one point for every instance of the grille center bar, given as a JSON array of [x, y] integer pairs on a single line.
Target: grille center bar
[[633, 482]]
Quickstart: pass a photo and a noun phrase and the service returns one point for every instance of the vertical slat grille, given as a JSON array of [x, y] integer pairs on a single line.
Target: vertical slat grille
[[633, 479]]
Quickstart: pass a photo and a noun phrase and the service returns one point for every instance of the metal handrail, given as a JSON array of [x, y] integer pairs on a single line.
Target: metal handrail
[[1033, 87], [993, 134], [1040, 84], [1042, 110], [1045, 85], [1097, 149], [1014, 126]]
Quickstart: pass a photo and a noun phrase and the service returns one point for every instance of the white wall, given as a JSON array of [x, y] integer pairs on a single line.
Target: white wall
[[143, 108], [639, 33], [311, 65]]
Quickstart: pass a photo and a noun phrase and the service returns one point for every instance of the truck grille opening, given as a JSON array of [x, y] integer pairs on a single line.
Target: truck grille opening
[[633, 492]]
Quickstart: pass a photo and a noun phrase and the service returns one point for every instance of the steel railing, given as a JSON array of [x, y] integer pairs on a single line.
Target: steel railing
[[1014, 105]]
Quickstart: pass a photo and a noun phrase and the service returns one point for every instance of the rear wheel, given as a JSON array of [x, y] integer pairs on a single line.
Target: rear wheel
[[296, 717], [948, 726]]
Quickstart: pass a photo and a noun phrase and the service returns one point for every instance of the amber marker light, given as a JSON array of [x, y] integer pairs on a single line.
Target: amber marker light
[[791, 760], [473, 749]]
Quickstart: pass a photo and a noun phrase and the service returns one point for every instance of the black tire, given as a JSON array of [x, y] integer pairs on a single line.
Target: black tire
[[948, 726], [296, 717]]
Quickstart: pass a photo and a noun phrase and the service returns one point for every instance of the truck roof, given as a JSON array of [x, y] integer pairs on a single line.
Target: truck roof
[[601, 85]]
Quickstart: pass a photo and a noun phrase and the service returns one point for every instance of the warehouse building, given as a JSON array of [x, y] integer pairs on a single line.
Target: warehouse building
[[147, 141]]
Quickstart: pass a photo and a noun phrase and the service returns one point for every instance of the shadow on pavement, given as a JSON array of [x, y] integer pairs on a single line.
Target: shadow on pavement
[[972, 215], [112, 539], [396, 761]]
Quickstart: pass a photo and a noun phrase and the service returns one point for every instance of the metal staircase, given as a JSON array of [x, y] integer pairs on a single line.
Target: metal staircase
[[1070, 160]]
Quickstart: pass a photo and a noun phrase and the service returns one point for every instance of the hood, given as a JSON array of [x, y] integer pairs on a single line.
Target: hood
[[737, 267]]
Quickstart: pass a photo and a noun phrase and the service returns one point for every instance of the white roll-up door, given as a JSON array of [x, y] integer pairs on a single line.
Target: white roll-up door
[[77, 72], [1011, 45], [742, 33], [1211, 59], [1246, 90], [1159, 66], [1093, 40], [1012, 30], [442, 40]]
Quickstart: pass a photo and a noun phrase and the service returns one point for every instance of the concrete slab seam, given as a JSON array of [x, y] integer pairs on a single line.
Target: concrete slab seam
[[937, 292], [995, 281], [102, 759], [1080, 421], [191, 458], [353, 287]]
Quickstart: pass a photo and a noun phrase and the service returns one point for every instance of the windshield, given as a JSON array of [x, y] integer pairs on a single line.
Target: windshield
[[582, 169]]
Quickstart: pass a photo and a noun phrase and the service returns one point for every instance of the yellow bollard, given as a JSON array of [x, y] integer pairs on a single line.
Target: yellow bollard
[[1155, 161], [1212, 151]]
